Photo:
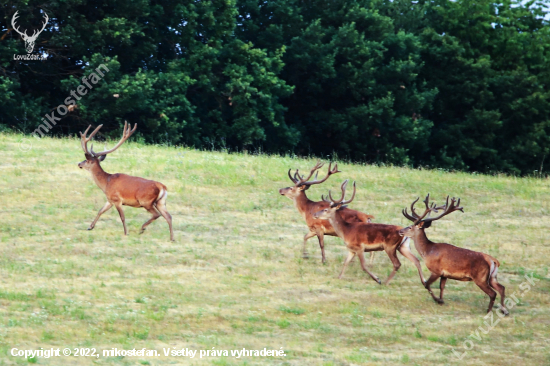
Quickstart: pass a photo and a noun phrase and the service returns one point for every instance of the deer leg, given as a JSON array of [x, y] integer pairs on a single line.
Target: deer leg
[[441, 288], [308, 236], [351, 255], [362, 260], [161, 207], [432, 279], [107, 206], [405, 249], [391, 252], [371, 261], [500, 289], [489, 291], [156, 215], [121, 213], [321, 237]]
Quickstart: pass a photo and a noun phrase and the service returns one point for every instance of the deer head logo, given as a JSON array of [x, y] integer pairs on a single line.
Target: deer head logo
[[29, 40]]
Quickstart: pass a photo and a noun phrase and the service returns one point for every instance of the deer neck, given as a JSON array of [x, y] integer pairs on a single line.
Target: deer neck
[[302, 203], [421, 243], [338, 223], [100, 176]]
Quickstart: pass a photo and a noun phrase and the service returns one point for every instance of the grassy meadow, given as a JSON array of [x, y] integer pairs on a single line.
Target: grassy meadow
[[235, 278]]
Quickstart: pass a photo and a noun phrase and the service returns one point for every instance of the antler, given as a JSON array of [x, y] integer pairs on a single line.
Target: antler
[[126, 133], [301, 181], [447, 209], [341, 201], [417, 218], [84, 140], [24, 35], [15, 16], [43, 26], [412, 217], [329, 173], [432, 208]]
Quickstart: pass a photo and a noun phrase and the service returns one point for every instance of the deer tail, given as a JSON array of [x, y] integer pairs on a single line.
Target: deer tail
[[492, 259], [493, 267], [163, 193]]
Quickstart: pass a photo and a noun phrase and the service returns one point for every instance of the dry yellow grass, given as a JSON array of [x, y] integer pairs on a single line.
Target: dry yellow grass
[[234, 278]]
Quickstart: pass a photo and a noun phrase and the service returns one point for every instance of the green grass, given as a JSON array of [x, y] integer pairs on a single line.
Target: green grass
[[234, 278]]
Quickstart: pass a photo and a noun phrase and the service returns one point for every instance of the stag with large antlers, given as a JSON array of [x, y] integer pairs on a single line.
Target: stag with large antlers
[[121, 189], [29, 40], [307, 207], [447, 261], [363, 237]]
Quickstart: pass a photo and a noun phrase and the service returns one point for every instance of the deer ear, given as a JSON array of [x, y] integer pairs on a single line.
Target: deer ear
[[102, 157], [424, 224]]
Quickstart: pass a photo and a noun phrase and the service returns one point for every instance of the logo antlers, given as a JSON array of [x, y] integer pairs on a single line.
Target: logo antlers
[[29, 40]]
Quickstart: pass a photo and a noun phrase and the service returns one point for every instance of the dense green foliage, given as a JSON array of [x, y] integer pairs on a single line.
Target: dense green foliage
[[453, 84]]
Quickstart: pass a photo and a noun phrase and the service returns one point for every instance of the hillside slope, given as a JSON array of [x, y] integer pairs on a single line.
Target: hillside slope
[[234, 278]]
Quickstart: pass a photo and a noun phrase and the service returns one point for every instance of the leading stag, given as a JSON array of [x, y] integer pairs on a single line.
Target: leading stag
[[362, 237], [307, 207], [121, 189], [447, 261]]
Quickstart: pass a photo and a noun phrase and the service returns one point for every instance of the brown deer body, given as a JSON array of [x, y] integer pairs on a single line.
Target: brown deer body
[[362, 237], [124, 190], [447, 261], [307, 208]]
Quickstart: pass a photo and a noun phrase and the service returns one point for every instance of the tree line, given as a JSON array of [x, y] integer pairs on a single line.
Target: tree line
[[461, 85]]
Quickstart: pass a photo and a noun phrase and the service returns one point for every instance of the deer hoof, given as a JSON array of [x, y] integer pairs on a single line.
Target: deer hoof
[[305, 256], [378, 280], [440, 302], [90, 228]]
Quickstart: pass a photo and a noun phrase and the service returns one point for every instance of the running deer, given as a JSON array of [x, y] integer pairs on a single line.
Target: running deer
[[121, 189], [447, 261], [363, 237], [307, 207]]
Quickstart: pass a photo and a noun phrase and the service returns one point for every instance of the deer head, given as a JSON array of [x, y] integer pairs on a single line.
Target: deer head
[[301, 183], [29, 40], [335, 205], [421, 222], [93, 158]]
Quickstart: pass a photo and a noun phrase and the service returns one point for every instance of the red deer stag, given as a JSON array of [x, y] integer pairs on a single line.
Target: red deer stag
[[362, 237], [121, 189], [447, 261], [307, 207]]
